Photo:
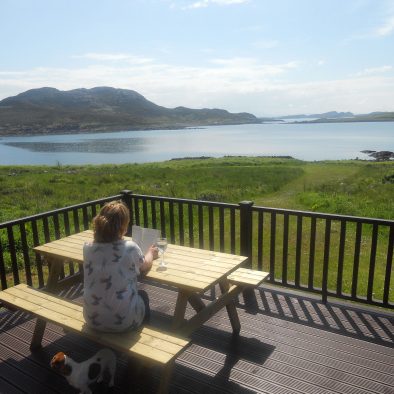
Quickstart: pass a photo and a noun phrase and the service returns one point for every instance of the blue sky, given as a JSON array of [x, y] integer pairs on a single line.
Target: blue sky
[[260, 56]]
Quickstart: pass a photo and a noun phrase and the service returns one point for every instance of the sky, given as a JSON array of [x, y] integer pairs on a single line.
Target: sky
[[265, 57]]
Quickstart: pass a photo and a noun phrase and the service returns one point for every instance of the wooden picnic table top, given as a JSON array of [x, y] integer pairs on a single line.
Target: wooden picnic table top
[[189, 269]]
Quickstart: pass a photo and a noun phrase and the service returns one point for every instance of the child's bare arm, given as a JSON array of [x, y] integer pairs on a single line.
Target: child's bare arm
[[150, 255]]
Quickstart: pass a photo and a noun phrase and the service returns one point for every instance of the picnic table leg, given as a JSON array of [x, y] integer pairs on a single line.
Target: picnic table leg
[[180, 309], [196, 302], [166, 378], [231, 309], [39, 329]]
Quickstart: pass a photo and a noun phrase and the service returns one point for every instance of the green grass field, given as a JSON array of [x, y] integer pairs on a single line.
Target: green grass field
[[358, 188]]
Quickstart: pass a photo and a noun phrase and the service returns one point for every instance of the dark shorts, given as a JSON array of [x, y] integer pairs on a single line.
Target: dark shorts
[[144, 295]]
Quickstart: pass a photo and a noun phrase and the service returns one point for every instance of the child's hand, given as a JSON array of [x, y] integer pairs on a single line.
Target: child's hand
[[154, 250]]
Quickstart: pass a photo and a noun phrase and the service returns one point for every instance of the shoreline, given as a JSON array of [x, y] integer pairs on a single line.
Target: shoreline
[[114, 129]]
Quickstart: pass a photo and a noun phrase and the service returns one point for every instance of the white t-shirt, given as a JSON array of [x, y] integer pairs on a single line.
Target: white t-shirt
[[111, 300]]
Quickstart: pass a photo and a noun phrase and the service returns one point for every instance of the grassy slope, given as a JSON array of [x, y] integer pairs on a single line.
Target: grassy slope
[[347, 187]]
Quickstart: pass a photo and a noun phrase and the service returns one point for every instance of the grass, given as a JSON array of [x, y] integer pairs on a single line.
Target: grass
[[344, 187]]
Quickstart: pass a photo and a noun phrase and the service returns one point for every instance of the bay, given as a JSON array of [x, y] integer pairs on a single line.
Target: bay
[[319, 141]]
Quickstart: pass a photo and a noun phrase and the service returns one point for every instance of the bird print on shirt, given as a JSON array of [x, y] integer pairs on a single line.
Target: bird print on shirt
[[93, 318], [107, 281], [120, 294], [96, 299], [89, 267], [119, 319], [116, 258]]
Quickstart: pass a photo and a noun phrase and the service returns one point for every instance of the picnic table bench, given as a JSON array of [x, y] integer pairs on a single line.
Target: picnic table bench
[[149, 345]]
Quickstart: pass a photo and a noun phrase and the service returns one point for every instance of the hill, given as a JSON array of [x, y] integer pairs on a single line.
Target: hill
[[325, 115], [334, 117], [371, 117], [48, 110]]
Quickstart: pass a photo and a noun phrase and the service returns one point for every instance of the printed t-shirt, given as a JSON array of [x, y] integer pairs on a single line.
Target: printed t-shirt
[[111, 300]]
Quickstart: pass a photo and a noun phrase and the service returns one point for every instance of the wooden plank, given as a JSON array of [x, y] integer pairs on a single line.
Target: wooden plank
[[247, 277], [203, 252], [199, 267]]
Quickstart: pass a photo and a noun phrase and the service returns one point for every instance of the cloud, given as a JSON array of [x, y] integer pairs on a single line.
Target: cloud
[[207, 3], [114, 57], [374, 70], [386, 29]]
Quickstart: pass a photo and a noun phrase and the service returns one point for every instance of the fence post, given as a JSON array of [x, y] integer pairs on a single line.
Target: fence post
[[246, 230], [128, 200], [246, 235]]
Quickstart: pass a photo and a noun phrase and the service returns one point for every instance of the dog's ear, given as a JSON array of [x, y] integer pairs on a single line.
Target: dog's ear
[[58, 360], [58, 363]]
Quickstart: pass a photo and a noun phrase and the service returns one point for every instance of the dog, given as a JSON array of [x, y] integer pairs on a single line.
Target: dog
[[101, 367]]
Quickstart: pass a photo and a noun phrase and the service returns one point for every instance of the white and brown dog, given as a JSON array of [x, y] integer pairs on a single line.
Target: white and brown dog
[[100, 367]]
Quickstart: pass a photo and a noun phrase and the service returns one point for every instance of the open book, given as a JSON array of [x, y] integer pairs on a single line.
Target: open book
[[144, 237]]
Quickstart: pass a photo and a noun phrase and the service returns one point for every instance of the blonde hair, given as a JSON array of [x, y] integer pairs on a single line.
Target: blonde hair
[[111, 223]]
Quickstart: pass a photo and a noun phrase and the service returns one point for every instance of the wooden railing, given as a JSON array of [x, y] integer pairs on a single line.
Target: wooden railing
[[332, 255]]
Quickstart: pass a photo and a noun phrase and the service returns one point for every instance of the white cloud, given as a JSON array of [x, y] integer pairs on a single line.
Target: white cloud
[[114, 57], [374, 70], [207, 3], [386, 29], [236, 84]]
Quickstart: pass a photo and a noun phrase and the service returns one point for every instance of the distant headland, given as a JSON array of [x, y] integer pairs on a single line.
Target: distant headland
[[51, 111], [332, 117]]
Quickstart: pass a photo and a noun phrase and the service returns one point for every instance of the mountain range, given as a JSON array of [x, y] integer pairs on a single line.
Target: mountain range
[[49, 110], [334, 117]]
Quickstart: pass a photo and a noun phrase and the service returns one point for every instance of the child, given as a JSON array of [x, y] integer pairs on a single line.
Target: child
[[111, 265]]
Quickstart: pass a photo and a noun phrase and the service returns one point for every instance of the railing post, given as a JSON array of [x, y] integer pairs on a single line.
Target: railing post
[[246, 235], [128, 200], [246, 230]]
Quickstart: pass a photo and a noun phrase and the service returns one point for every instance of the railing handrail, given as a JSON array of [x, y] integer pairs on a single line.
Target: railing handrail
[[321, 215], [186, 201]]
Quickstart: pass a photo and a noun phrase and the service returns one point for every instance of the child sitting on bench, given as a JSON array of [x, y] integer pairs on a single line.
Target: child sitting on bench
[[112, 302]]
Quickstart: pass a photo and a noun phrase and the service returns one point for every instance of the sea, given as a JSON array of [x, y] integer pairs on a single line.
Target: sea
[[309, 142]]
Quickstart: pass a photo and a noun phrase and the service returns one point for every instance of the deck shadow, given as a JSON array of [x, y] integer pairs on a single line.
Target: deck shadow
[[345, 319]]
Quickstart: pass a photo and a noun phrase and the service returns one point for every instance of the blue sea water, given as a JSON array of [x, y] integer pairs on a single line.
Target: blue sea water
[[320, 141]]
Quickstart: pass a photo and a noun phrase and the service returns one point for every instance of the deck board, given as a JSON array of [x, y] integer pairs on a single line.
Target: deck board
[[288, 344]]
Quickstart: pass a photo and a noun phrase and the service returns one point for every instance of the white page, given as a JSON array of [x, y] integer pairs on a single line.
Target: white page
[[144, 237]]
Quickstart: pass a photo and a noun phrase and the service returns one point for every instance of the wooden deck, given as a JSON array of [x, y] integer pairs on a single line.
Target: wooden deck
[[288, 344]]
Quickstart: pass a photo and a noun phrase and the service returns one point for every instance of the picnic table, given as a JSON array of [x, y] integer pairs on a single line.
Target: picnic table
[[190, 270]]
